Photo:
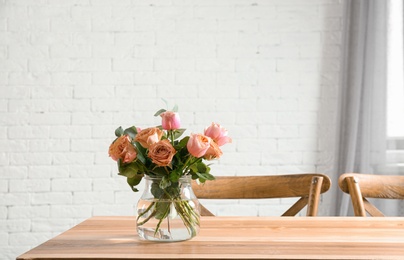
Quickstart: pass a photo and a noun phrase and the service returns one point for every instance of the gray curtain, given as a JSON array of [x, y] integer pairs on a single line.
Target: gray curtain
[[361, 125]]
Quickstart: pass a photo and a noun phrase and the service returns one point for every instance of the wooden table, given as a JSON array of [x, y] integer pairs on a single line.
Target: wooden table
[[234, 238]]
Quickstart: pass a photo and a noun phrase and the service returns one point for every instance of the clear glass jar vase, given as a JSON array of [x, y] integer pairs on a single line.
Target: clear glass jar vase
[[168, 211]]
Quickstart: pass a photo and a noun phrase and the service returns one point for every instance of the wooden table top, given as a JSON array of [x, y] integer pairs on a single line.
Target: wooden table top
[[234, 238]]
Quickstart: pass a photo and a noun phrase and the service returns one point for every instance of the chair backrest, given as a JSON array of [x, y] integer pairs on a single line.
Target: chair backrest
[[307, 186], [361, 186]]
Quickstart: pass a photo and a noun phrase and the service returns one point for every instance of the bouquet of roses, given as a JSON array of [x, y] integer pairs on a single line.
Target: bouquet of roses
[[160, 152]]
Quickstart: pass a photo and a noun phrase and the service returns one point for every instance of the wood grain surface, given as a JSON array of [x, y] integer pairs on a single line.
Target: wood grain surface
[[234, 238]]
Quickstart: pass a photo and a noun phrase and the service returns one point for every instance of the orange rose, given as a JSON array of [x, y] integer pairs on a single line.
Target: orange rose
[[161, 153], [122, 149], [213, 152], [149, 136]]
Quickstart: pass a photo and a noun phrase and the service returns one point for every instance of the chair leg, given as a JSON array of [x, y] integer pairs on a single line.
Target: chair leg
[[296, 208], [205, 211], [371, 209], [314, 196], [356, 196]]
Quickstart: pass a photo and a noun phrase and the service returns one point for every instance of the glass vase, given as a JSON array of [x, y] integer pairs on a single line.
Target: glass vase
[[168, 211]]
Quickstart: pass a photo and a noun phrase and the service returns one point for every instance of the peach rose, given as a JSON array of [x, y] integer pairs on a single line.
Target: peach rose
[[218, 134], [170, 120], [198, 144], [122, 149], [149, 136], [213, 152], [161, 153]]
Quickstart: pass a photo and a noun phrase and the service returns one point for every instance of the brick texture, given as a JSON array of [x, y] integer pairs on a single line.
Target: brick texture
[[71, 71]]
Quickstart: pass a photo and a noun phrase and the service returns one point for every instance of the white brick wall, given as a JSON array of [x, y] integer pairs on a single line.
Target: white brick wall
[[71, 71]]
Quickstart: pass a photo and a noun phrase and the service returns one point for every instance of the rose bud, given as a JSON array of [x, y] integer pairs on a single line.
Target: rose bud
[[170, 120]]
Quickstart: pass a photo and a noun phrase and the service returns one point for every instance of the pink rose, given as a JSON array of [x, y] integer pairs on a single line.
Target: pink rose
[[148, 136], [218, 134], [198, 144], [122, 149], [170, 120]]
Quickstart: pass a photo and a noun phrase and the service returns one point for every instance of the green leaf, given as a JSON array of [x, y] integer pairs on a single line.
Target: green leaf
[[194, 176], [205, 176], [134, 181], [165, 182], [183, 142], [202, 168], [141, 152], [162, 209], [119, 131], [156, 190], [178, 133], [175, 175], [160, 171], [193, 168], [131, 132], [127, 169], [159, 112]]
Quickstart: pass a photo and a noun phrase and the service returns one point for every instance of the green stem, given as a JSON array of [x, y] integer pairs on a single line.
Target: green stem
[[162, 206], [188, 163], [188, 216], [144, 212], [161, 220], [170, 134]]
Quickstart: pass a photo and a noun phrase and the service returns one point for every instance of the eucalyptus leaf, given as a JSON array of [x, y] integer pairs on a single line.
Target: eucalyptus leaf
[[119, 131], [205, 176], [131, 132], [175, 108], [178, 133], [160, 112]]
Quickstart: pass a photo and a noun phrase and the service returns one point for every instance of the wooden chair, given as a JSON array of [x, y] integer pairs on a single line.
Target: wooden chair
[[361, 186], [306, 186]]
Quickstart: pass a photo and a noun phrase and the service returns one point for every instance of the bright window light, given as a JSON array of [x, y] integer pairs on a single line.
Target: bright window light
[[395, 83]]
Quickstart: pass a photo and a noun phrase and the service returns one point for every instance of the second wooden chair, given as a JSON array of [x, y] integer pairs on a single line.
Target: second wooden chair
[[307, 186], [361, 186]]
